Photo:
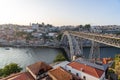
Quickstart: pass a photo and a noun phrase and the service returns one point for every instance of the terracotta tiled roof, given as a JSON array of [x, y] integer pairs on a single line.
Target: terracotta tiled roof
[[24, 76], [60, 74], [36, 67], [10, 76], [20, 76], [87, 69]]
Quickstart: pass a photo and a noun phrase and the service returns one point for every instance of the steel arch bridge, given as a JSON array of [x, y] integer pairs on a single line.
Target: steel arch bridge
[[69, 42]]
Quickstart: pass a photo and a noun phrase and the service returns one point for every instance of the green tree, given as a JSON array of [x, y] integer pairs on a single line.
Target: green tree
[[110, 71], [20, 33], [29, 36], [80, 26], [87, 27], [59, 36], [1, 72], [9, 69], [59, 57]]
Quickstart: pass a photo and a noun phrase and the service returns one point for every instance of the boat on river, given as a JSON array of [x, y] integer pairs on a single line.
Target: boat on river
[[7, 48]]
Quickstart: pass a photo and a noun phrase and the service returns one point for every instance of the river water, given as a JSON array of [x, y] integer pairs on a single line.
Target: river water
[[27, 56], [104, 52]]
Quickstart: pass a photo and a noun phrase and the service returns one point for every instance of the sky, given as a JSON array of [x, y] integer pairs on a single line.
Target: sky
[[60, 12]]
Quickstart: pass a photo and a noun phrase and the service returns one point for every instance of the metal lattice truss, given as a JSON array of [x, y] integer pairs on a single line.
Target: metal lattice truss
[[73, 44], [94, 51], [112, 41]]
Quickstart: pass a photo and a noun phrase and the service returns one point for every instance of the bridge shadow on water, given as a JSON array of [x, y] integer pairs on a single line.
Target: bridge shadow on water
[[104, 51], [65, 54]]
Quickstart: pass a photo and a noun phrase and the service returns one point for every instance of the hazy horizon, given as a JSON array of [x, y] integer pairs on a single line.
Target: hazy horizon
[[60, 12]]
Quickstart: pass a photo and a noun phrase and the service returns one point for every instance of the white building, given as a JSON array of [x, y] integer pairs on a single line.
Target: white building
[[28, 30], [95, 29], [83, 71], [35, 26], [37, 35]]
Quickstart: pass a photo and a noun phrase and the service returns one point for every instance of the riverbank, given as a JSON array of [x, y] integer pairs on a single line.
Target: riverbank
[[45, 46], [30, 46]]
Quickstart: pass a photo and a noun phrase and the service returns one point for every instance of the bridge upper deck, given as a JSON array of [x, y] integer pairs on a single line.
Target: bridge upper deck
[[112, 41]]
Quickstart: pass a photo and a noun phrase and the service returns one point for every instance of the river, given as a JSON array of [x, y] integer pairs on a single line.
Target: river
[[27, 56], [104, 51]]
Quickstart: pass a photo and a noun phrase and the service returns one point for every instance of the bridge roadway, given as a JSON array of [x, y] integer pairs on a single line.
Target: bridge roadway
[[112, 41]]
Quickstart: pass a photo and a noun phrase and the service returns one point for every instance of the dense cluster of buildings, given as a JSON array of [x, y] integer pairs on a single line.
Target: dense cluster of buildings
[[106, 29], [45, 34], [38, 34], [75, 70]]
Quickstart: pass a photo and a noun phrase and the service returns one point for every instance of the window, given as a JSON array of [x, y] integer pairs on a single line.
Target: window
[[69, 70], [84, 78], [77, 74], [103, 78]]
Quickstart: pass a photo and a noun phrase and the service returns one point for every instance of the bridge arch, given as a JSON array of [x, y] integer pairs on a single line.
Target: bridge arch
[[73, 45]]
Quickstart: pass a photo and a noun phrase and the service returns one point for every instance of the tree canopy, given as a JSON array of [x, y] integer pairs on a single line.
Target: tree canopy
[[59, 36], [59, 57], [9, 69], [85, 27]]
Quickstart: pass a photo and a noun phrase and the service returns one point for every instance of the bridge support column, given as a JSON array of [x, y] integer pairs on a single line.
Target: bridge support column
[[94, 51], [80, 42], [77, 47]]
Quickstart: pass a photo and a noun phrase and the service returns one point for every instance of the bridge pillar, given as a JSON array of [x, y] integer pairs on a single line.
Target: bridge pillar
[[77, 47], [80, 42], [94, 51]]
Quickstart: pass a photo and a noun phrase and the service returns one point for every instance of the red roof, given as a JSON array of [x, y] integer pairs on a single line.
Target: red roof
[[20, 76], [87, 69], [36, 67], [24, 76], [61, 74]]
